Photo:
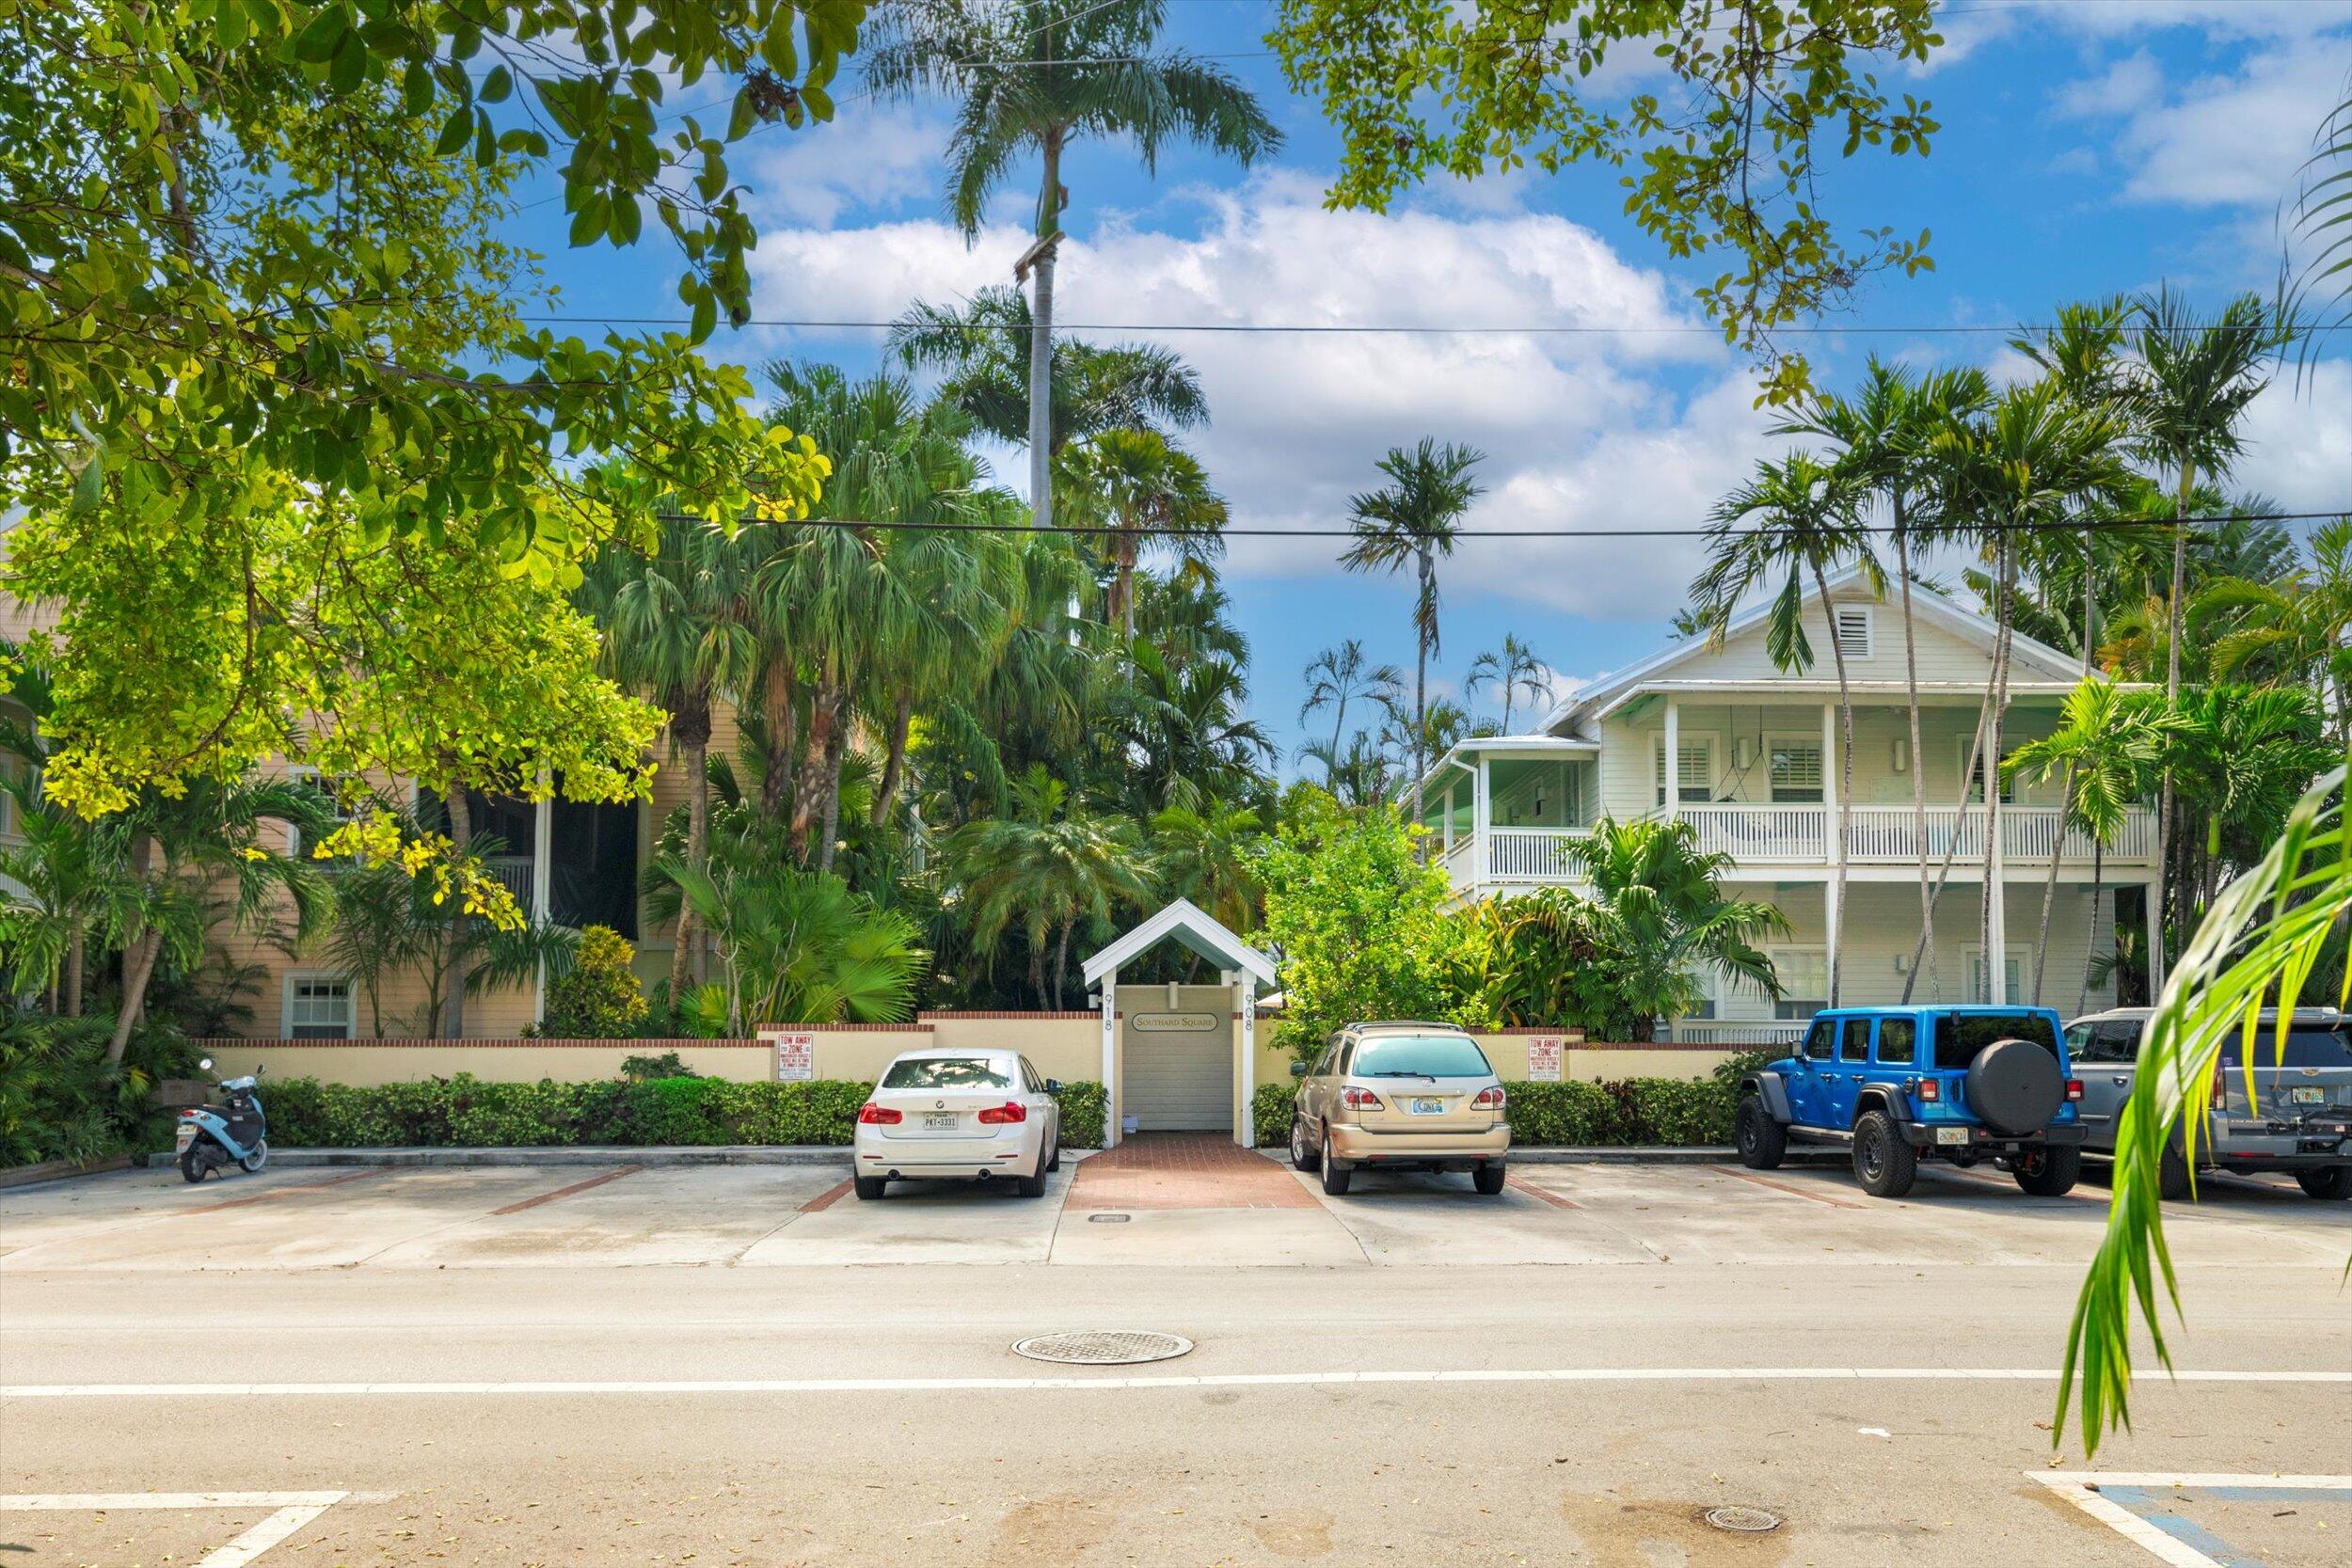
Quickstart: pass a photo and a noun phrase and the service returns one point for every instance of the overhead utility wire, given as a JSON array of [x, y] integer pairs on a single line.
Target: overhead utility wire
[[2083, 524], [820, 323]]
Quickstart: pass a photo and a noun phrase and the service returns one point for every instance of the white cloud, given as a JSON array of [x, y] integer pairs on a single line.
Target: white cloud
[[2299, 439], [2229, 139], [1583, 428], [2220, 19], [876, 161]]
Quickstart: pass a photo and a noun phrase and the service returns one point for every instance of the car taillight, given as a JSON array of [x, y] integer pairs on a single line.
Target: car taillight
[[2073, 1088], [1489, 1099], [998, 1115], [879, 1116], [1929, 1089], [1360, 1099]]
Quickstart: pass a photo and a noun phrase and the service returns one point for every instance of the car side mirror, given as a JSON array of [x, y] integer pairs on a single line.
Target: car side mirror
[[1298, 1069], [1053, 1085]]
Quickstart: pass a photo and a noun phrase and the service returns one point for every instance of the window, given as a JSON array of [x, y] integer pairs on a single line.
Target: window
[[1796, 769], [2115, 1040], [2315, 1046], [1976, 784], [1898, 1042], [1817, 1041], [1853, 1041], [2012, 974], [311, 777], [1803, 980], [948, 1072], [1854, 630], [318, 1007], [1696, 774], [1421, 1057], [1960, 1036]]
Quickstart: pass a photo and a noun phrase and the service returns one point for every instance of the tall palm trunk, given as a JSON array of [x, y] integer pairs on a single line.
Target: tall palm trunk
[[2066, 806], [824, 714], [2005, 624], [1967, 779], [1420, 683], [1845, 787], [452, 1011], [1042, 339], [691, 726], [777, 708], [138, 966], [2166, 800], [836, 746], [895, 761], [74, 957], [1061, 961], [1123, 583], [2090, 938], [1918, 758]]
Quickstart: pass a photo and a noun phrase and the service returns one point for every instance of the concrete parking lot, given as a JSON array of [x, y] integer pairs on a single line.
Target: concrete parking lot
[[745, 1365]]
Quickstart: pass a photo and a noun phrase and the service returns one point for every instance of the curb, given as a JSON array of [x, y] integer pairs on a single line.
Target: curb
[[597, 1154], [65, 1170]]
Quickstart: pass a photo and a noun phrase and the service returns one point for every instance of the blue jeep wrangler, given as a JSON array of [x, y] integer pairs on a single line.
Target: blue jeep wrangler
[[1900, 1083]]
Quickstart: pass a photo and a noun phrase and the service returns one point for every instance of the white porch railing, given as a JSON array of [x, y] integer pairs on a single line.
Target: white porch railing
[[1761, 832], [514, 871], [1738, 1031], [1531, 854], [1460, 862], [1890, 834]]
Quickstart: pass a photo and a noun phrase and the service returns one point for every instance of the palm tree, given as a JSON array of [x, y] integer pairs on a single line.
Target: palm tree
[[1884, 433], [1665, 919], [1033, 77], [2195, 379], [2104, 747], [982, 353], [1511, 670], [1361, 774], [1810, 528], [672, 631], [2294, 628], [1202, 844], [1186, 726], [1414, 519], [1049, 865], [1154, 495], [796, 947], [1336, 677]]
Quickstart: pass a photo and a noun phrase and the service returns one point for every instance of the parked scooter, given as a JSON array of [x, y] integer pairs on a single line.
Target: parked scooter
[[215, 1136]]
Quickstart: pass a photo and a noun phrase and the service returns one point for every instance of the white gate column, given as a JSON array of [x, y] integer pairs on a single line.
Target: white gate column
[[1110, 1060], [1247, 984]]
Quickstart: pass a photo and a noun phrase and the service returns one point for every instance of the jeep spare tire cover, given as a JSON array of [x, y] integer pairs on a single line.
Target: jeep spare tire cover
[[2015, 1087]]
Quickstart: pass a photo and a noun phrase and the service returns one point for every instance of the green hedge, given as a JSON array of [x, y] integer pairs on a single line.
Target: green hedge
[[1629, 1112], [468, 1113]]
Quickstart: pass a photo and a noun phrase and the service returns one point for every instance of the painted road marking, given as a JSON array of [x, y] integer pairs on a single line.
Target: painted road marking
[[287, 1192], [2171, 1539], [826, 1199], [1784, 1187], [1539, 1194], [290, 1511], [613, 1174], [1052, 1385]]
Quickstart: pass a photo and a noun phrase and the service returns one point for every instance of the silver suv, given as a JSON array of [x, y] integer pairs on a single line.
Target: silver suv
[[1402, 1095], [2299, 1118]]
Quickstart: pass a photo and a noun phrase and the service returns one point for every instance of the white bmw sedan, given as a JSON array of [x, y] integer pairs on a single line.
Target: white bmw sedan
[[959, 1115]]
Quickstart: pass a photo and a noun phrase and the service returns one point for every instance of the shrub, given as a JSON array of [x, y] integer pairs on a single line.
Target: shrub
[[1270, 1111], [467, 1113], [1628, 1114], [61, 1099], [640, 1069], [600, 997]]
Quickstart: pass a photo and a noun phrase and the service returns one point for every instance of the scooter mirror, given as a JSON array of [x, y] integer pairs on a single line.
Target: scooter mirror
[[206, 1064]]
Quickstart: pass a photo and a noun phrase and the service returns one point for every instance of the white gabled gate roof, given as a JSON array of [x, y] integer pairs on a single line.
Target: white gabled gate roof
[[1197, 929]]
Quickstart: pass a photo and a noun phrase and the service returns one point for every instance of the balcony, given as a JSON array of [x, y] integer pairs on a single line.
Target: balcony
[[1799, 835]]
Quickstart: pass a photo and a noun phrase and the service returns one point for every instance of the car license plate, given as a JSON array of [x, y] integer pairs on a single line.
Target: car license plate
[[942, 1121], [1428, 1107], [2307, 1097], [1952, 1135]]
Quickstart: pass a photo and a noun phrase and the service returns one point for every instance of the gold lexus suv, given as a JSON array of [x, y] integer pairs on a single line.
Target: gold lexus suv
[[1400, 1095]]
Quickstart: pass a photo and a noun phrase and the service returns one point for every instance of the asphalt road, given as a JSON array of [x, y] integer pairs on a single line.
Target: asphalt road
[[733, 1366]]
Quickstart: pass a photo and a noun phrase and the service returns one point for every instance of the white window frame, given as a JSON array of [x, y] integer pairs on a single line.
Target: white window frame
[[1968, 795], [1699, 741], [301, 773], [1776, 952], [1869, 628], [1976, 993], [317, 977], [1801, 738]]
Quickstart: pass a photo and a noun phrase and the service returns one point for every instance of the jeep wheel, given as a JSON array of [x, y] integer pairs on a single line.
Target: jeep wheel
[[2333, 1184], [1883, 1162], [1763, 1141], [2048, 1172], [2172, 1176]]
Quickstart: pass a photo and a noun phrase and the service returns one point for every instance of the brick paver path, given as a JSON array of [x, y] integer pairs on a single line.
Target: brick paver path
[[1184, 1170]]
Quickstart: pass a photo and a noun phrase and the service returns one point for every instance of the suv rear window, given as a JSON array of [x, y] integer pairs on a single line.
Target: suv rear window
[[1420, 1057], [947, 1072], [2306, 1047], [1960, 1036]]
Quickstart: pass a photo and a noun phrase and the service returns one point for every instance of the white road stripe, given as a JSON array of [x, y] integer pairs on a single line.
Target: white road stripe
[[1065, 1385], [2079, 1487], [290, 1511]]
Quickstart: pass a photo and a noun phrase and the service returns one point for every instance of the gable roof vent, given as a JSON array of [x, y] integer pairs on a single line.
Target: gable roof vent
[[1854, 631]]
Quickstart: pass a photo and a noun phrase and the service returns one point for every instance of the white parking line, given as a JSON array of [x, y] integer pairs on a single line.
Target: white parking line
[[1072, 1384], [290, 1511], [2081, 1488]]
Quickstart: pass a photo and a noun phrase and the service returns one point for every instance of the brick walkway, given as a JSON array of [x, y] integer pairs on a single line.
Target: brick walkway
[[1184, 1170]]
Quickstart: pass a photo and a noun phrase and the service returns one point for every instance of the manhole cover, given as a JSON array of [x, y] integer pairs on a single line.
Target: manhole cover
[[1106, 1219], [1743, 1521], [1117, 1347]]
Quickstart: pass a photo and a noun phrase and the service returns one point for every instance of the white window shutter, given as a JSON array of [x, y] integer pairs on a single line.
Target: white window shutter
[[1854, 631]]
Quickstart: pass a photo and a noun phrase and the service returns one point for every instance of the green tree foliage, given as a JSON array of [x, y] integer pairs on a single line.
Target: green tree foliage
[[1356, 919], [1724, 159], [600, 997], [281, 441], [796, 947]]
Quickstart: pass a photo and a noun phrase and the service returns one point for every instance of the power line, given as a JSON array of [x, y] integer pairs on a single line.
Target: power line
[[1400, 330], [2072, 525]]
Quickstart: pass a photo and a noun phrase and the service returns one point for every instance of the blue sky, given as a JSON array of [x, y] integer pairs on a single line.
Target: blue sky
[[2089, 146]]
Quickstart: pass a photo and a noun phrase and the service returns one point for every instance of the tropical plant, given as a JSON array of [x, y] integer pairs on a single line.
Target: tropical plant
[[1809, 527], [1153, 495], [1512, 669], [1186, 727], [2323, 219], [2258, 947], [599, 996], [1663, 918], [795, 946], [1050, 866], [1033, 77], [1203, 848], [1336, 677], [1412, 520]]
